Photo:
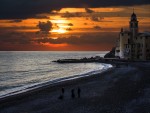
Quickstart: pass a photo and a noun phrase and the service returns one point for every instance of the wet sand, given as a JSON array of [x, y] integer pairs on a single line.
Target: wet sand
[[125, 89]]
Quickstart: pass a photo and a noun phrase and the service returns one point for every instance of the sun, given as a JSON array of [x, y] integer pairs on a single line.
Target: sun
[[59, 21], [60, 31]]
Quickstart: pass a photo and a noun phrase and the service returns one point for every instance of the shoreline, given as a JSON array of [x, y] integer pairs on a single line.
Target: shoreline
[[52, 84], [55, 81], [123, 89]]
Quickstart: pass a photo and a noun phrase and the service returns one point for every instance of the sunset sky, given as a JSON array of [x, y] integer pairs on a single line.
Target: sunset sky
[[67, 25]]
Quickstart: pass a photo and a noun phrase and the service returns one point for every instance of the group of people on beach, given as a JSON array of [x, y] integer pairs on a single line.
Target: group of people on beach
[[61, 97]]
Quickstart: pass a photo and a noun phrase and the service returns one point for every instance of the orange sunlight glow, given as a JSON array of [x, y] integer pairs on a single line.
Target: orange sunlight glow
[[59, 21], [60, 26], [54, 45], [109, 9], [59, 31]]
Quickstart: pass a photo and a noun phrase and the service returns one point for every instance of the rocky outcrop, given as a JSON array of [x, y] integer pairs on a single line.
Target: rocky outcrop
[[111, 54]]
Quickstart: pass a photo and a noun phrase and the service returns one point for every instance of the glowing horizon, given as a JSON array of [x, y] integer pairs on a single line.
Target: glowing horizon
[[93, 26]]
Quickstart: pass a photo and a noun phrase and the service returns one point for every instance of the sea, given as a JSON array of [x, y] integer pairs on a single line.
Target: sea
[[21, 71]]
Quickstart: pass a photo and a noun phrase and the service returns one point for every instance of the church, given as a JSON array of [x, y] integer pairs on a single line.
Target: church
[[133, 45]]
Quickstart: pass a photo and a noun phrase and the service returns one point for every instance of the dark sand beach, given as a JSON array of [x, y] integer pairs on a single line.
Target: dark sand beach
[[125, 89]]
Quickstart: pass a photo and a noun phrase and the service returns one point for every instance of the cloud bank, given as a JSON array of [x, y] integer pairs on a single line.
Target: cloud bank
[[22, 9], [45, 27], [82, 40]]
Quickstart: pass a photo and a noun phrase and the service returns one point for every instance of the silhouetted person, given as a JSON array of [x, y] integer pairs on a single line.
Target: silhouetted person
[[63, 90], [72, 93], [79, 91], [61, 97]]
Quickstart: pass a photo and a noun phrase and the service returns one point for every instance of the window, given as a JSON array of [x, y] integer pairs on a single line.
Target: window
[[128, 41], [146, 45], [117, 51], [136, 25], [131, 25], [139, 45], [133, 46]]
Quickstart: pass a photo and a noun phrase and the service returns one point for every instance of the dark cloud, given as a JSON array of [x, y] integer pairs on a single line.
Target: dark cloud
[[16, 28], [15, 38], [13, 9], [69, 15], [97, 27], [41, 17], [96, 18], [27, 41], [15, 21], [70, 24], [56, 26], [89, 10], [45, 27], [83, 40], [69, 29]]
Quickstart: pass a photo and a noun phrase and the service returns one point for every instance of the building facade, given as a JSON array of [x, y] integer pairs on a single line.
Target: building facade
[[132, 44]]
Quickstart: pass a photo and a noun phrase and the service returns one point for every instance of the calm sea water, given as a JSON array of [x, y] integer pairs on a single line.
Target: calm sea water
[[22, 70]]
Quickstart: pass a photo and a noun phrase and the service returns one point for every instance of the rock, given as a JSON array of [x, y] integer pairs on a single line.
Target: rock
[[111, 54]]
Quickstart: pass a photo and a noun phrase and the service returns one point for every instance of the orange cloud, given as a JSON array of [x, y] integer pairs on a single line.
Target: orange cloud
[[54, 45]]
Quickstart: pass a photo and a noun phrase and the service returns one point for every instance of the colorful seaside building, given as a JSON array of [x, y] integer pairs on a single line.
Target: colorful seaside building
[[132, 44]]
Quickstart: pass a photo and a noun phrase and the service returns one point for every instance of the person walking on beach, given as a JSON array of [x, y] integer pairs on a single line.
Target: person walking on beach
[[79, 91], [61, 97], [72, 93], [63, 90]]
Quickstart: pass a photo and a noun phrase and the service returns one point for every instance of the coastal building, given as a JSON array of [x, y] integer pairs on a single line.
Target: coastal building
[[132, 44]]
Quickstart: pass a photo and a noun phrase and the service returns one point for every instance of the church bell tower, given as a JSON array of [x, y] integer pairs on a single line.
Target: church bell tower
[[133, 25]]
